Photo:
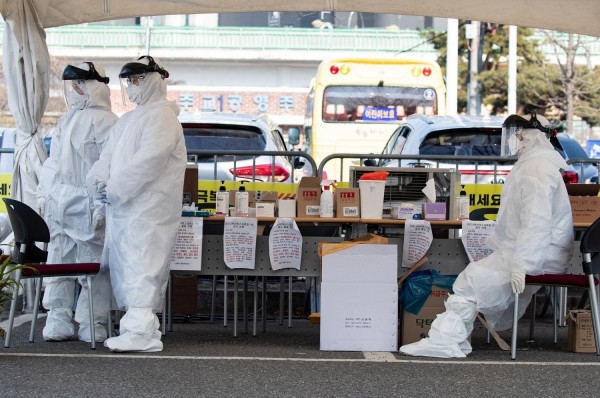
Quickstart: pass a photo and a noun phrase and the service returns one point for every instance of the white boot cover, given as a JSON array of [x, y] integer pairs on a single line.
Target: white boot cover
[[100, 333], [58, 300], [138, 332], [449, 332]]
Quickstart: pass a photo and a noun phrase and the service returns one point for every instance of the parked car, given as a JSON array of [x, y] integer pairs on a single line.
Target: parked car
[[236, 131], [571, 149], [453, 136]]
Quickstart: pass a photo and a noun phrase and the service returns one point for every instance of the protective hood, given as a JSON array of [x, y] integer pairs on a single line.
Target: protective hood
[[154, 89], [535, 144]]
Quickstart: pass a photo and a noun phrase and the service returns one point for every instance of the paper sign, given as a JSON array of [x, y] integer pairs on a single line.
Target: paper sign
[[285, 245], [417, 240], [474, 234], [239, 242], [187, 252]]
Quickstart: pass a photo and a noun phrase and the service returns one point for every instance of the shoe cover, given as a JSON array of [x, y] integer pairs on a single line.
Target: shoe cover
[[465, 347], [59, 325], [448, 329], [100, 333], [426, 348], [133, 342], [138, 332]]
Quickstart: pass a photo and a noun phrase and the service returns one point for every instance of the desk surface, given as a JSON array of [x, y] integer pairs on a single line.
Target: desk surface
[[441, 223]]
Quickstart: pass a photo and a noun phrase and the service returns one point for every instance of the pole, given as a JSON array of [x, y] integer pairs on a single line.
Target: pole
[[512, 69], [452, 67]]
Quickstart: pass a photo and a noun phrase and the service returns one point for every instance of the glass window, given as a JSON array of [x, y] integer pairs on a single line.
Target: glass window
[[376, 103], [223, 137], [462, 142]]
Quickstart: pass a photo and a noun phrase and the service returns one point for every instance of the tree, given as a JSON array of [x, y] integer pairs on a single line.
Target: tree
[[561, 89]]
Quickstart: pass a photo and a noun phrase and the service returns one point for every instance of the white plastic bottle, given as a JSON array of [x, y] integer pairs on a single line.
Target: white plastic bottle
[[222, 208], [326, 204], [241, 201], [462, 205]]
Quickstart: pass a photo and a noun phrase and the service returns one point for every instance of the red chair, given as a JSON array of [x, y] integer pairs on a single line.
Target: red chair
[[590, 248], [29, 228]]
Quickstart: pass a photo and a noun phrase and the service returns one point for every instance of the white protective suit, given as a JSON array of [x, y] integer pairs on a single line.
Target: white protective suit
[[68, 207], [143, 166], [533, 235]]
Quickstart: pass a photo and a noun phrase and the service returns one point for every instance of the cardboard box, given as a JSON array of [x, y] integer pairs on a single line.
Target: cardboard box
[[581, 331], [585, 203], [359, 299], [415, 327], [434, 211], [190, 184], [286, 208], [308, 197], [265, 209], [347, 202]]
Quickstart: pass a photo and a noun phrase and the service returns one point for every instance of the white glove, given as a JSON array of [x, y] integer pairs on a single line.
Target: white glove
[[97, 219], [100, 190], [40, 206], [517, 281]]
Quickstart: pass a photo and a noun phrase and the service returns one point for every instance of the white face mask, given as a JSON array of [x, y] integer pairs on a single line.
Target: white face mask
[[135, 93], [77, 100], [514, 145]]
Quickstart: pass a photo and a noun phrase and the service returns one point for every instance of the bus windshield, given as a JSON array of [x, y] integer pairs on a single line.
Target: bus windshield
[[376, 103]]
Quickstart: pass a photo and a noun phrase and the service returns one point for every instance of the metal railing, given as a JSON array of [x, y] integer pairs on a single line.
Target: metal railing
[[440, 161], [235, 156], [579, 165]]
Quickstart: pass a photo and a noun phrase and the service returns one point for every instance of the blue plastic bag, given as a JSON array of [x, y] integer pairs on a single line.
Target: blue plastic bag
[[416, 288]]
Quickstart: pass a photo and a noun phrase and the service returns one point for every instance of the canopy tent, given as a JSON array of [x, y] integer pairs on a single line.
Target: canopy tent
[[576, 16], [26, 58]]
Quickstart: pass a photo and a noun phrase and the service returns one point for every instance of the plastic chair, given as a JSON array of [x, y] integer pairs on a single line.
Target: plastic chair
[[590, 250], [29, 228]]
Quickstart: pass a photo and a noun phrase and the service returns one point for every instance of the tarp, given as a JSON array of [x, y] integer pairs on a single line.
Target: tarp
[[26, 67], [578, 16]]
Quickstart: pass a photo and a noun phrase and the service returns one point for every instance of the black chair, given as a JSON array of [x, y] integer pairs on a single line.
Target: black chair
[[29, 228], [590, 250]]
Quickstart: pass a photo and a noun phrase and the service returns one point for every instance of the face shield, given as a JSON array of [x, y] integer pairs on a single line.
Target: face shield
[[75, 92], [132, 78], [512, 129]]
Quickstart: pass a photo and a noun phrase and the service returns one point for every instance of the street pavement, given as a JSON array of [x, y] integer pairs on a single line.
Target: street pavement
[[204, 359]]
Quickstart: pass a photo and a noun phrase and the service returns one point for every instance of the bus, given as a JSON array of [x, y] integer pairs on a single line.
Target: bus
[[355, 104]]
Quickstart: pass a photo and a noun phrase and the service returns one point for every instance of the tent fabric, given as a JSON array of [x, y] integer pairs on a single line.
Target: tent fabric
[[580, 17], [26, 66]]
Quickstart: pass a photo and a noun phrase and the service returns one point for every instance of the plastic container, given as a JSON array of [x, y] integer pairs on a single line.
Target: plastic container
[[462, 205], [241, 201], [222, 207], [326, 204], [371, 198]]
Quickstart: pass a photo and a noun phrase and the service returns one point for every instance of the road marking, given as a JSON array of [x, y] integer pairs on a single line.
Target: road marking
[[379, 356], [21, 319], [400, 360]]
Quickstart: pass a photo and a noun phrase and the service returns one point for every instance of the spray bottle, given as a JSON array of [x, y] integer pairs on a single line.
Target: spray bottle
[[222, 201], [326, 205], [462, 205], [241, 201]]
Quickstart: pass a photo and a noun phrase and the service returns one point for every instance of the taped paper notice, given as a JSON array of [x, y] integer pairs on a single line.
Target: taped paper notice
[[239, 242], [187, 252], [417, 240], [474, 235], [285, 245]]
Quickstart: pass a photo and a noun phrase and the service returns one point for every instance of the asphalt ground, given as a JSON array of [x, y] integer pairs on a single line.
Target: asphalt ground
[[204, 359]]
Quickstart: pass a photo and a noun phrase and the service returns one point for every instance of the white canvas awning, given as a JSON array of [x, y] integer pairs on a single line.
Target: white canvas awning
[[576, 16]]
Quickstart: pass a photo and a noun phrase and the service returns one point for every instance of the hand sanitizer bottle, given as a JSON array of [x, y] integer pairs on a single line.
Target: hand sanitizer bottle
[[222, 208], [326, 204], [462, 205], [241, 201]]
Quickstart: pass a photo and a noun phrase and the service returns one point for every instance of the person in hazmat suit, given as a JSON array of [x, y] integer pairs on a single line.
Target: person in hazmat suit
[[75, 222], [533, 235], [140, 178]]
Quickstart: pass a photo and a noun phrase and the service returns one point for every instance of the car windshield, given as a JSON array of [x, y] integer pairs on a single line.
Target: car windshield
[[223, 137], [573, 149], [462, 142]]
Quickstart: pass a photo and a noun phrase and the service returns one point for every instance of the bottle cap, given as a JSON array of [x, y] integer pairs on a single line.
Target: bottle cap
[[242, 187], [222, 187], [463, 192]]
